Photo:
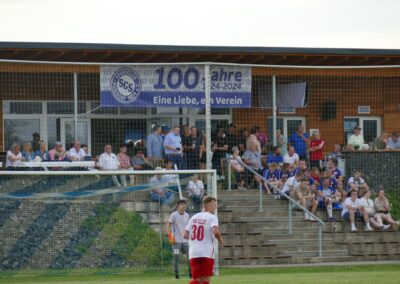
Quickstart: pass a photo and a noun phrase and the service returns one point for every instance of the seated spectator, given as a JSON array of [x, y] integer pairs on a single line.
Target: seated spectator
[[76, 153], [351, 212], [291, 184], [155, 147], [85, 149], [332, 179], [326, 196], [273, 176], [124, 161], [382, 207], [42, 153], [305, 197], [14, 157], [336, 153], [58, 153], [332, 165], [339, 198], [367, 205], [196, 191], [316, 176], [252, 158], [275, 157], [356, 141], [302, 167], [28, 155], [291, 157], [285, 172], [357, 183], [159, 191], [108, 162], [239, 170], [139, 161], [171, 178], [393, 142], [380, 142], [315, 150]]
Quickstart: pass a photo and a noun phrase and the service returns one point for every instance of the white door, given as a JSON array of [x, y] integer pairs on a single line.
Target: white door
[[68, 132]]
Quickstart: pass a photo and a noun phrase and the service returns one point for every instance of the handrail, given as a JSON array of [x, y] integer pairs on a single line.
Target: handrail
[[291, 201], [277, 189]]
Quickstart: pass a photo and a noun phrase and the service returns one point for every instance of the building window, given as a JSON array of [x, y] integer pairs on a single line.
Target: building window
[[20, 131], [22, 107], [371, 127], [65, 107]]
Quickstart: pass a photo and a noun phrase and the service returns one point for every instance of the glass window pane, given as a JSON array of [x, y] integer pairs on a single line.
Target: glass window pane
[[23, 108], [96, 109], [53, 131], [349, 124], [133, 110], [279, 125], [20, 131], [65, 107], [215, 111], [370, 130]]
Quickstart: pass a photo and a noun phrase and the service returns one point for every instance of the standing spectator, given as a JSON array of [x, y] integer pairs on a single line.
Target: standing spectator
[[231, 138], [76, 153], [124, 161], [196, 191], [220, 148], [275, 156], [238, 168], [244, 134], [191, 145], [291, 157], [357, 183], [139, 161], [203, 153], [177, 223], [281, 141], [367, 204], [261, 137], [14, 157], [337, 152], [108, 162], [380, 142], [173, 147], [382, 207], [326, 195], [253, 139], [252, 157], [356, 141], [57, 153], [315, 150], [305, 197], [160, 192], [42, 153], [351, 212], [28, 154], [393, 142], [186, 144], [299, 140], [154, 147]]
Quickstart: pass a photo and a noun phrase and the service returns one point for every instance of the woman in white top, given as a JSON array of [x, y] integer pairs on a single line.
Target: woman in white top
[[196, 191], [367, 204], [14, 157]]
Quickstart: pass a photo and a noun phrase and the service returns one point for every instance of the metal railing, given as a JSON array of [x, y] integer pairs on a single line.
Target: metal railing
[[292, 203]]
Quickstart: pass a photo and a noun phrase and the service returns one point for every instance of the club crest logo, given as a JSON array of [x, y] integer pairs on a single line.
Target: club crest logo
[[125, 85]]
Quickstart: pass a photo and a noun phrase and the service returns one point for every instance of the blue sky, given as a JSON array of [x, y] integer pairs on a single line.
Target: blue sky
[[289, 23]]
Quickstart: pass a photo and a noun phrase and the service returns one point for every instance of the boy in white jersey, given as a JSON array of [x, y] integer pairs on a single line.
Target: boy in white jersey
[[201, 232], [177, 223]]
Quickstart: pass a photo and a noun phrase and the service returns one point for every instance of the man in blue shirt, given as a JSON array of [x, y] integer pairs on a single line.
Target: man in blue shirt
[[326, 195], [154, 146], [299, 140], [173, 147], [275, 157]]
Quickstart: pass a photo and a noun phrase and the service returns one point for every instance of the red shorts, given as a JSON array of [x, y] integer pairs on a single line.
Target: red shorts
[[201, 267]]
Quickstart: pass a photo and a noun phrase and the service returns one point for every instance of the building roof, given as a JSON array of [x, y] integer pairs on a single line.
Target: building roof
[[127, 53]]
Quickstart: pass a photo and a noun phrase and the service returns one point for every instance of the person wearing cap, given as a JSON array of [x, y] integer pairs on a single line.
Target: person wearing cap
[[393, 142], [58, 153], [356, 141], [380, 142]]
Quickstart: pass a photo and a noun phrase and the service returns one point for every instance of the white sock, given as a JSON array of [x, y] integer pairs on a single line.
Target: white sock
[[329, 209], [353, 227], [368, 226]]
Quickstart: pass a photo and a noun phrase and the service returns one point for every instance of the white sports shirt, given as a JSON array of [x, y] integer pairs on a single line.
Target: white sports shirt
[[179, 222], [201, 237]]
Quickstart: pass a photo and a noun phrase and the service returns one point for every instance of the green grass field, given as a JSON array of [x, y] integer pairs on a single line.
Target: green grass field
[[364, 274]]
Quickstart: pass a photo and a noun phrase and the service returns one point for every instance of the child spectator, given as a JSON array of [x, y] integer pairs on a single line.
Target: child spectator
[[326, 196], [285, 172], [357, 183], [272, 175], [315, 174]]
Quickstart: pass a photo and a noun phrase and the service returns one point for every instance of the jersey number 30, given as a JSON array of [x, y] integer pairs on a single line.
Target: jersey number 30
[[197, 233]]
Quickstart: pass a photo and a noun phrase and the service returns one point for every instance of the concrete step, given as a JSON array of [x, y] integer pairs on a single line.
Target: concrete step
[[239, 208], [315, 253], [299, 242], [243, 240], [369, 238], [248, 251], [374, 249]]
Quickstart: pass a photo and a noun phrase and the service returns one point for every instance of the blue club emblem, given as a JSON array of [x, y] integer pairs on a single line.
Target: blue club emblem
[[125, 85]]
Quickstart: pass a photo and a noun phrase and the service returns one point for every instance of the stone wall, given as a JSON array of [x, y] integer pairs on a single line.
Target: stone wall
[[378, 168]]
